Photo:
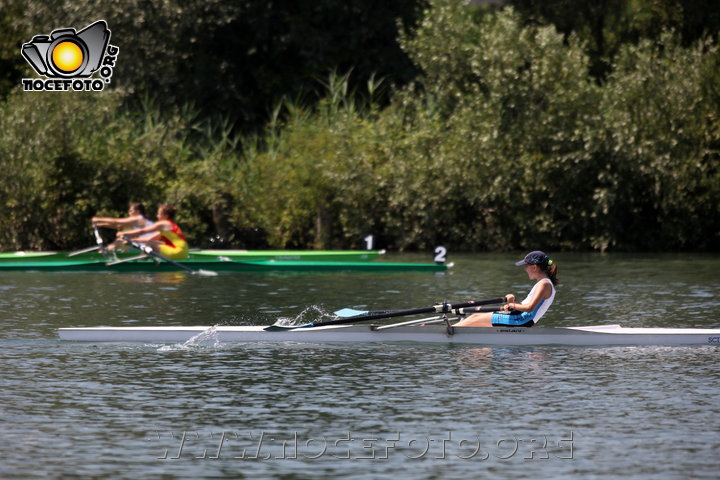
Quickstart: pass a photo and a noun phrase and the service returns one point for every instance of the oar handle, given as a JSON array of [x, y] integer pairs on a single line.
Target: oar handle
[[463, 311], [99, 239], [476, 303]]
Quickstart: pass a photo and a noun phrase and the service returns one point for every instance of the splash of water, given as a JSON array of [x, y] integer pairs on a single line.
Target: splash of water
[[206, 339], [313, 313]]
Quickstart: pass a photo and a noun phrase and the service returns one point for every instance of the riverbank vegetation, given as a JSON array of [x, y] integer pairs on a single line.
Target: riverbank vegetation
[[482, 128]]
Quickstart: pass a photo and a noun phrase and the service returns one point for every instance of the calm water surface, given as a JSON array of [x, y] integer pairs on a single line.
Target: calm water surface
[[364, 411]]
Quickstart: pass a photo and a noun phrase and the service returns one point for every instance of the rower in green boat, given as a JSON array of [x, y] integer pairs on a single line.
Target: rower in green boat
[[164, 236], [136, 219], [543, 270]]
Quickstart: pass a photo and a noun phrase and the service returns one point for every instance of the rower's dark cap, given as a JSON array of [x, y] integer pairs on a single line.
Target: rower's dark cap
[[533, 258]]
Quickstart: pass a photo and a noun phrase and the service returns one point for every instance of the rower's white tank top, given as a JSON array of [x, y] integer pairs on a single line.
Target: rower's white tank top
[[544, 304]]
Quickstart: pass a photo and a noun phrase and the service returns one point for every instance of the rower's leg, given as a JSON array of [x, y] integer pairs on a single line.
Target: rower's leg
[[118, 246], [476, 320]]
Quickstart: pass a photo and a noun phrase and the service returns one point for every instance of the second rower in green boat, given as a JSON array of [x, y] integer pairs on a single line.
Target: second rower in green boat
[[164, 236], [540, 268]]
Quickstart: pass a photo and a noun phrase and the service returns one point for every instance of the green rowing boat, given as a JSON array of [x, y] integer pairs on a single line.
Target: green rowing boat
[[306, 255], [214, 264], [205, 255]]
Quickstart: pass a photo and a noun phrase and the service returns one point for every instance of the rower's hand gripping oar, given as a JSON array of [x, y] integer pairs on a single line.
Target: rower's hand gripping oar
[[147, 250], [440, 308]]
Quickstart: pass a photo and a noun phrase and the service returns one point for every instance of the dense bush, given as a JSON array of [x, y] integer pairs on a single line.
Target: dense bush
[[506, 140], [658, 185], [227, 57], [66, 157]]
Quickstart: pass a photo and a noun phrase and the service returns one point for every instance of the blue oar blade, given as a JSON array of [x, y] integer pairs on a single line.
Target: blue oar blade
[[278, 328], [349, 312]]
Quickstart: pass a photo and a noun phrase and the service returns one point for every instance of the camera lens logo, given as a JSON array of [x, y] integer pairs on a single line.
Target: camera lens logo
[[69, 59]]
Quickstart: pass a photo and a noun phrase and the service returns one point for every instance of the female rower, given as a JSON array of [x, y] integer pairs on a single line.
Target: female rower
[[136, 219], [164, 236], [540, 268]]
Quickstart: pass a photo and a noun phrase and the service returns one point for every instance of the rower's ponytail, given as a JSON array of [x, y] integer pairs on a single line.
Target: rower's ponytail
[[551, 271]]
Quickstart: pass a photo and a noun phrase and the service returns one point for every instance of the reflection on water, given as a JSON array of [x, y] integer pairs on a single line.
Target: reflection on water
[[172, 278], [132, 403]]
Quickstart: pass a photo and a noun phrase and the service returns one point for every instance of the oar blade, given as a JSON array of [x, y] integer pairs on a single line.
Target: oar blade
[[205, 273], [350, 312], [282, 328]]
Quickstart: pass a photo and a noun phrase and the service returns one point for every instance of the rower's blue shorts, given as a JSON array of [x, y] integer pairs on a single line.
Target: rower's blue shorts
[[507, 320]]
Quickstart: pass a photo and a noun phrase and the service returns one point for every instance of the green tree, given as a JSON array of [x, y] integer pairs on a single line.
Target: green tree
[[659, 187], [230, 59], [607, 25], [68, 156], [511, 109]]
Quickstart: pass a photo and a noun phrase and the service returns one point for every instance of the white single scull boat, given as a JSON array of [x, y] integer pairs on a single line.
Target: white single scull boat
[[598, 335]]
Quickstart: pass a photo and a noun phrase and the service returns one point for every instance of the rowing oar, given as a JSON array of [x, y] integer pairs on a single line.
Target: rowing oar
[[442, 318], [469, 310], [147, 250], [440, 308], [84, 250], [100, 245], [351, 312]]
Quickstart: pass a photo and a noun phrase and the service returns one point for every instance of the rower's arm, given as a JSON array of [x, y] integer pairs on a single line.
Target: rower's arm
[[104, 221], [543, 292], [115, 222], [155, 227]]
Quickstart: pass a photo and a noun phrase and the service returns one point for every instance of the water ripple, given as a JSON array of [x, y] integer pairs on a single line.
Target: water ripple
[[73, 410]]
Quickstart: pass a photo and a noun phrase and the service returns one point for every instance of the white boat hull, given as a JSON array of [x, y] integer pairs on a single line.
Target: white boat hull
[[602, 335]]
